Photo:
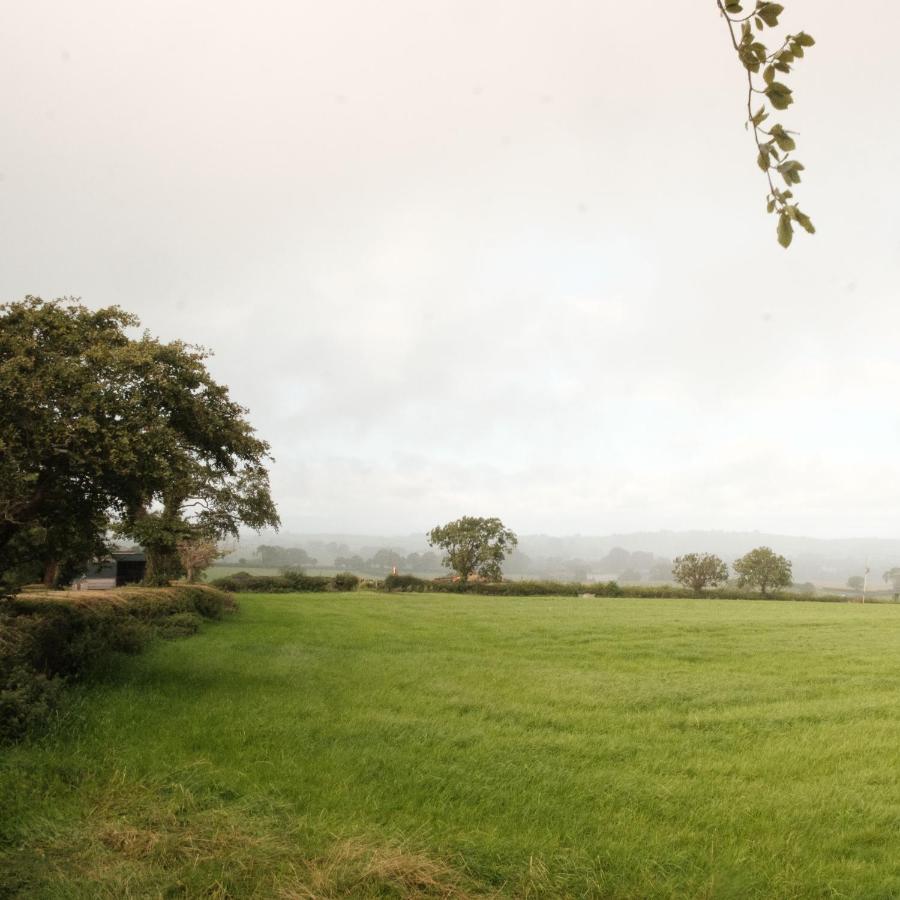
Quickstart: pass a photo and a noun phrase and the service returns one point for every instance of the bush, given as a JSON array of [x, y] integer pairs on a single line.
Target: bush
[[181, 624], [71, 640], [207, 601], [289, 582], [300, 581], [407, 583], [28, 700], [345, 581], [47, 638]]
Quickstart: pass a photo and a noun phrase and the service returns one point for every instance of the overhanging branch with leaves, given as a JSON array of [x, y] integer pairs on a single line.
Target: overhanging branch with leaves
[[775, 145]]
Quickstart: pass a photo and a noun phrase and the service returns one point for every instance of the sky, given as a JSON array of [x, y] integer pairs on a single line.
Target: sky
[[484, 257]]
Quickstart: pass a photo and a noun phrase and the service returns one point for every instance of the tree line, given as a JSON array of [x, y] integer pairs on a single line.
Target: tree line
[[476, 546], [761, 569], [382, 562]]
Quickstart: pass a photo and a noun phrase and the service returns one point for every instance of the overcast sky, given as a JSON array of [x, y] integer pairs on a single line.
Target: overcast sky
[[491, 257]]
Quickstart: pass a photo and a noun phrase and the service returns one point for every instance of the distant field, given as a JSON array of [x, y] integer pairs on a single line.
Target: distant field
[[366, 745], [224, 571]]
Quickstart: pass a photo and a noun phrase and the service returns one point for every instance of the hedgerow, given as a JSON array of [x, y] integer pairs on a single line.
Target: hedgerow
[[288, 582], [409, 583], [47, 639]]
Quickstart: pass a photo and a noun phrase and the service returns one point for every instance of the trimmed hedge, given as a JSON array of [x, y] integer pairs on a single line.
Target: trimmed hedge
[[49, 638], [409, 583], [287, 583]]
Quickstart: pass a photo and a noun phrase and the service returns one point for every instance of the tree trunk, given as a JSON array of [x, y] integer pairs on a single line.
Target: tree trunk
[[163, 565], [51, 572]]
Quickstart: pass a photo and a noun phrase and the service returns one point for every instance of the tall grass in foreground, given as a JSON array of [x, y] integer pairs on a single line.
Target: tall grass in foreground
[[408, 746]]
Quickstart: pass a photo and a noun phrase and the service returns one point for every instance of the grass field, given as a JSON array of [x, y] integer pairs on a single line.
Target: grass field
[[225, 571], [408, 746]]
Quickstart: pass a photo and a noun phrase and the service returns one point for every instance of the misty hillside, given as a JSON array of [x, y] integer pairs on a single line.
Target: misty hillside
[[640, 555]]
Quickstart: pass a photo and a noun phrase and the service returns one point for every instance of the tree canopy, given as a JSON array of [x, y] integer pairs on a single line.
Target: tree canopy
[[474, 546], [96, 426], [699, 571], [764, 569]]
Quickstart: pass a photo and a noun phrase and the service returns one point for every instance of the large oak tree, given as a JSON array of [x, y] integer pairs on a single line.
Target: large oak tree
[[96, 426]]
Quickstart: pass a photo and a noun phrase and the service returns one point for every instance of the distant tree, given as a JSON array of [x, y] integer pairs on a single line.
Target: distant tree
[[431, 562], [516, 562], [274, 557], [892, 577], [196, 554], [661, 570], [699, 571], [764, 569], [642, 560], [578, 569], [856, 582], [616, 560], [353, 563], [474, 545], [629, 576], [385, 559]]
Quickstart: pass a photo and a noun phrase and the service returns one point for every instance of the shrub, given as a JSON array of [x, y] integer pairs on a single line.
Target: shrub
[[300, 581], [287, 583], [47, 638], [28, 700], [71, 640], [27, 697], [181, 624], [209, 602], [407, 583], [345, 581]]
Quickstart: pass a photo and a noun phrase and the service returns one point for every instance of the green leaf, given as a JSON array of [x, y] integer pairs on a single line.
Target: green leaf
[[805, 221], [805, 40], [759, 117], [791, 166], [783, 139], [769, 13], [785, 230], [779, 95]]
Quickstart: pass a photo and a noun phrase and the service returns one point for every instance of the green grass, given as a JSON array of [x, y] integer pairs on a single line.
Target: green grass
[[406, 746]]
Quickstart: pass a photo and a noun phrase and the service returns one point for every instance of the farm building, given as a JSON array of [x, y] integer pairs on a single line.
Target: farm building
[[119, 568]]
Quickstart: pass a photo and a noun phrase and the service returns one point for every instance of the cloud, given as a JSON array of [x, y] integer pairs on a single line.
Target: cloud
[[461, 257]]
